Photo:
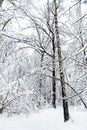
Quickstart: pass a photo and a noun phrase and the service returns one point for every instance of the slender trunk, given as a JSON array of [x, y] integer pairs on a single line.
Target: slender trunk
[[41, 66], [53, 57], [61, 72], [1, 109], [53, 75], [41, 85]]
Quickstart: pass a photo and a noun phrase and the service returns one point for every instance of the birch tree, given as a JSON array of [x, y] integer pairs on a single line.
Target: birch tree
[[60, 63]]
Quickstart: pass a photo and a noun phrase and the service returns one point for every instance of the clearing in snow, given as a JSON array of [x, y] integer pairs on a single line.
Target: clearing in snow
[[49, 119]]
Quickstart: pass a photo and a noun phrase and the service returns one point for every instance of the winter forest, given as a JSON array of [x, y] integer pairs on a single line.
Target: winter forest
[[43, 64]]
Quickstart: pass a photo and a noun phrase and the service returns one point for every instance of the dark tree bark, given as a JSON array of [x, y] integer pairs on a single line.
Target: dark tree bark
[[50, 28], [53, 75], [1, 1], [60, 63], [1, 110]]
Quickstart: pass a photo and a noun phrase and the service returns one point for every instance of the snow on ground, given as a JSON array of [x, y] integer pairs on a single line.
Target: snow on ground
[[45, 120]]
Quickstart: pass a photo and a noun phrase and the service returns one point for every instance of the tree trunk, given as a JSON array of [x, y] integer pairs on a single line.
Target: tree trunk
[[53, 55], [1, 109], [61, 72], [1, 1], [53, 75], [41, 80]]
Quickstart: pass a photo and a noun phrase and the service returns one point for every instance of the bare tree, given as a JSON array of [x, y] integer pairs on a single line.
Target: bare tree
[[60, 62]]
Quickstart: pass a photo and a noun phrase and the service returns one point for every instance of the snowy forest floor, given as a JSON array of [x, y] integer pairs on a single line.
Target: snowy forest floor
[[48, 119]]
